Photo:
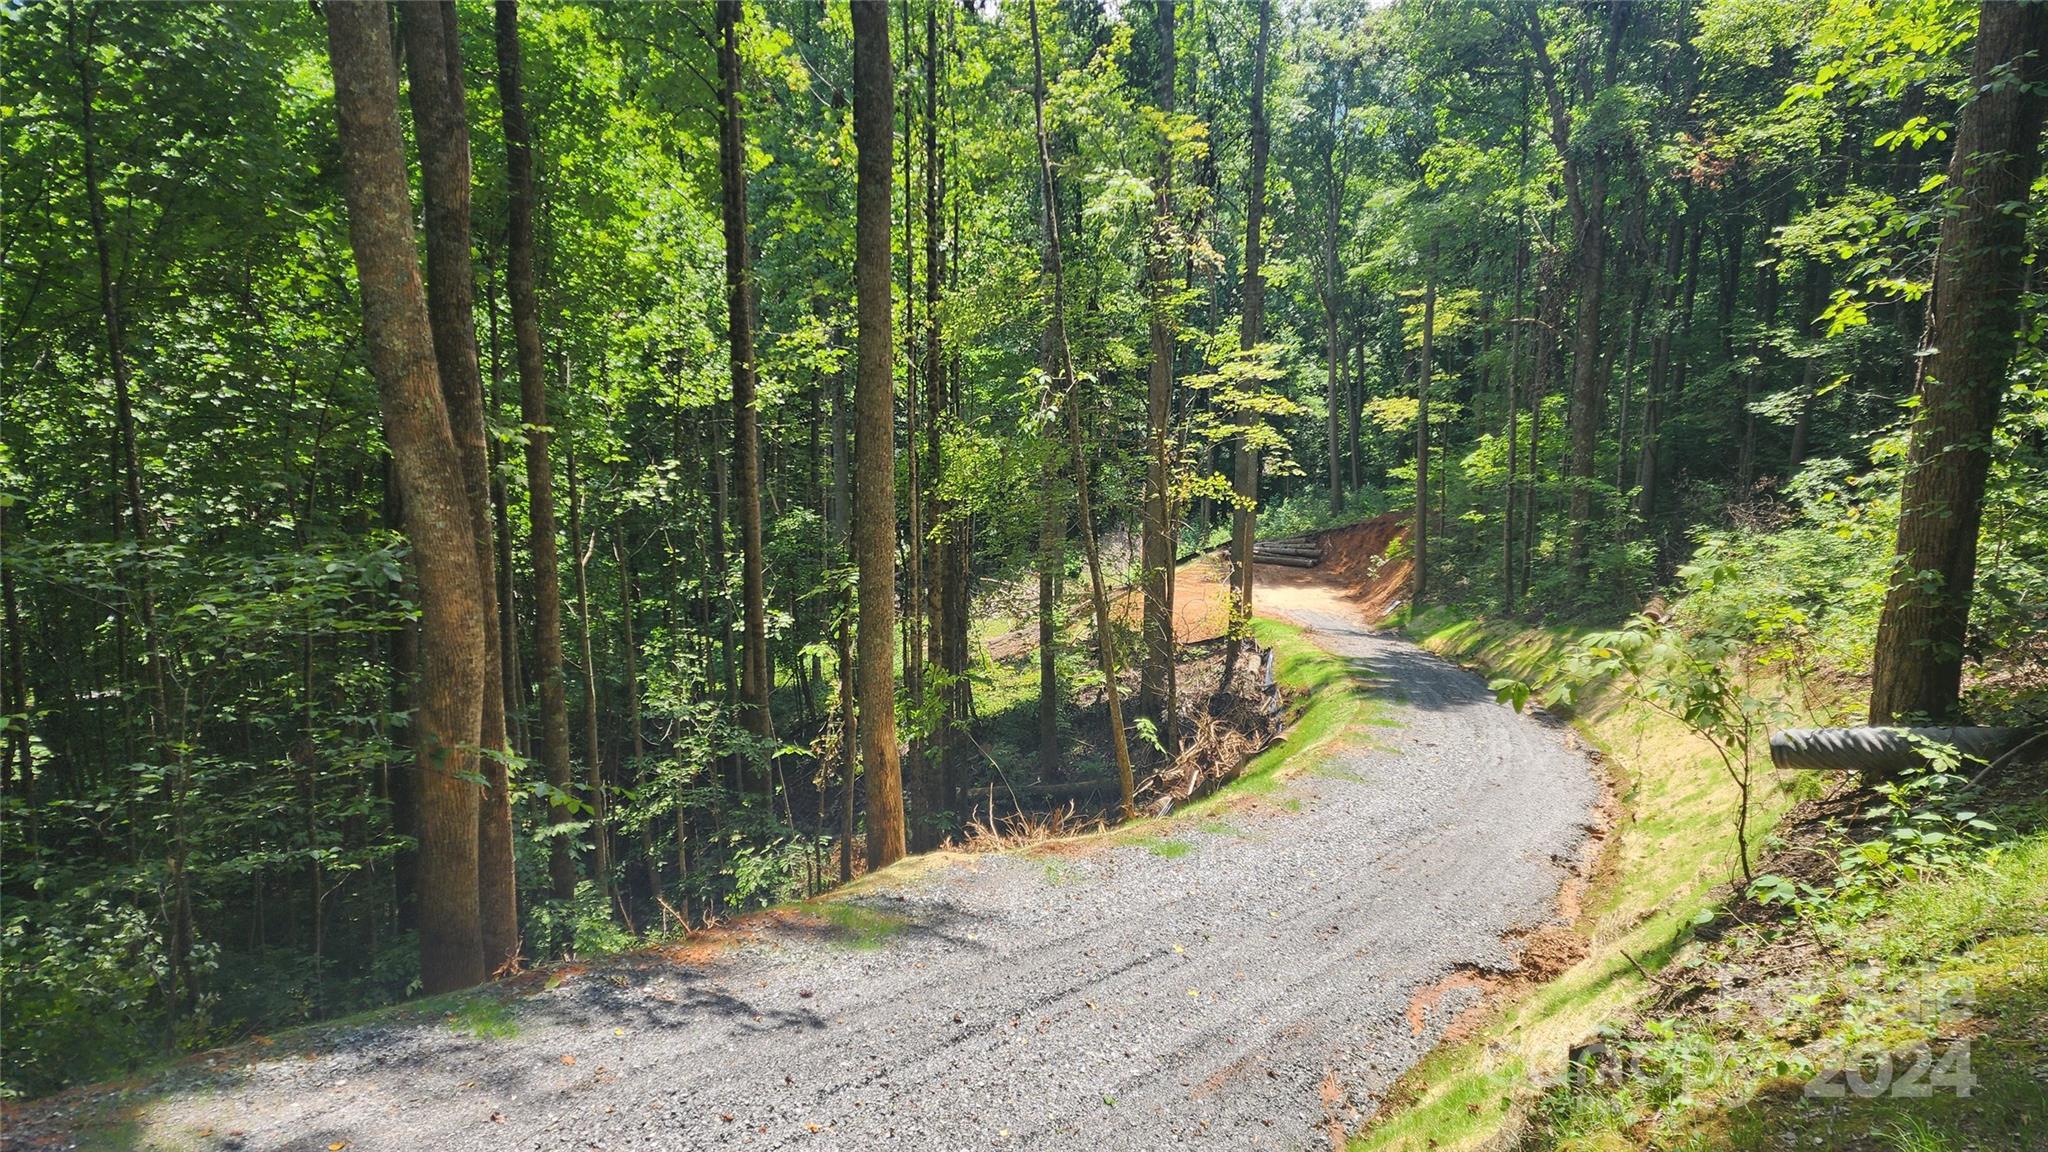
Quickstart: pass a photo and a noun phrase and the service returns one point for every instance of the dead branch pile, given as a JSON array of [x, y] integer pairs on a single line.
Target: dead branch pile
[[1241, 720], [989, 831], [1222, 726]]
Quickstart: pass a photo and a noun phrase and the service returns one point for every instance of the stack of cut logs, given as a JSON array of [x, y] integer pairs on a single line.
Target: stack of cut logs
[[1293, 552]]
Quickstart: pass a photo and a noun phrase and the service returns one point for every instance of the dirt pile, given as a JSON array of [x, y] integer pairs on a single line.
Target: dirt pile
[[1201, 602], [1201, 608]]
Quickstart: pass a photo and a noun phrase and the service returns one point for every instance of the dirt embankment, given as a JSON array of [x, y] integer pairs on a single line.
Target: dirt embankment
[[1355, 560], [1354, 556]]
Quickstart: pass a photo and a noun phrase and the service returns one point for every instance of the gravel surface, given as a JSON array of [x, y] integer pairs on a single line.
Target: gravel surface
[[1258, 981]]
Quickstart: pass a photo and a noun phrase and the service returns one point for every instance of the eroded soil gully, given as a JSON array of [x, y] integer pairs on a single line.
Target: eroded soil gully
[[1262, 987]]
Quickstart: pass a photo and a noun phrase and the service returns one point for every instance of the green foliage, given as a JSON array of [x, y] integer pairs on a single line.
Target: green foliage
[[81, 985], [1242, 406], [214, 639], [1709, 683], [1941, 962], [485, 1017], [582, 927], [1921, 824], [860, 927], [1808, 589], [1311, 512]]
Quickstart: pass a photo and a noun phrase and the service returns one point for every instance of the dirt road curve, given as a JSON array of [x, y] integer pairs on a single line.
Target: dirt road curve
[[1256, 982]]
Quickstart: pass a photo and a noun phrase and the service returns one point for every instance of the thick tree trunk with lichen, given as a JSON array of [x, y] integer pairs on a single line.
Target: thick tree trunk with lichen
[[1978, 274], [433, 52], [874, 432], [426, 459]]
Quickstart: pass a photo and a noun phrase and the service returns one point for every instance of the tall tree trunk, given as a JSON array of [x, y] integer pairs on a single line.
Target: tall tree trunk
[[433, 49], [1354, 403], [720, 467], [540, 476], [113, 326], [1244, 519], [402, 678], [427, 461], [1205, 175], [16, 757], [849, 743], [1550, 302], [1812, 299], [1645, 498], [1052, 557], [600, 820], [874, 118], [1052, 531], [1507, 501], [960, 531], [1733, 228], [1510, 571], [1157, 548], [629, 659], [842, 634], [1419, 534], [917, 774], [1332, 288], [1630, 345], [1681, 357], [1979, 270], [1585, 184], [1105, 638], [1586, 396], [513, 680], [941, 568], [179, 930], [1767, 270], [755, 685], [1333, 351]]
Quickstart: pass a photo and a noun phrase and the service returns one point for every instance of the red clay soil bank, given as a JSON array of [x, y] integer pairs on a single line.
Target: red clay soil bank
[[1355, 558]]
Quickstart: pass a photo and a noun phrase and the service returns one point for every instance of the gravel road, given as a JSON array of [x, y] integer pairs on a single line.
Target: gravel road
[[1256, 981]]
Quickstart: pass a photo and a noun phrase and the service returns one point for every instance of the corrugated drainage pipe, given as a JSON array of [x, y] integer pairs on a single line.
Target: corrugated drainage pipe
[[1881, 751]]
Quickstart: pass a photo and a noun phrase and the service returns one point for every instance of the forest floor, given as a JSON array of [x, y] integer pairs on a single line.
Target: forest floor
[[1255, 971]]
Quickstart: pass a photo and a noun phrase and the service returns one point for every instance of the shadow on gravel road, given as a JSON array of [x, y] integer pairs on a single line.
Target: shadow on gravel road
[[1417, 679]]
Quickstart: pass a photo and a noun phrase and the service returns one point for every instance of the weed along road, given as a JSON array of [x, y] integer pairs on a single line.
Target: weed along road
[[1255, 972]]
